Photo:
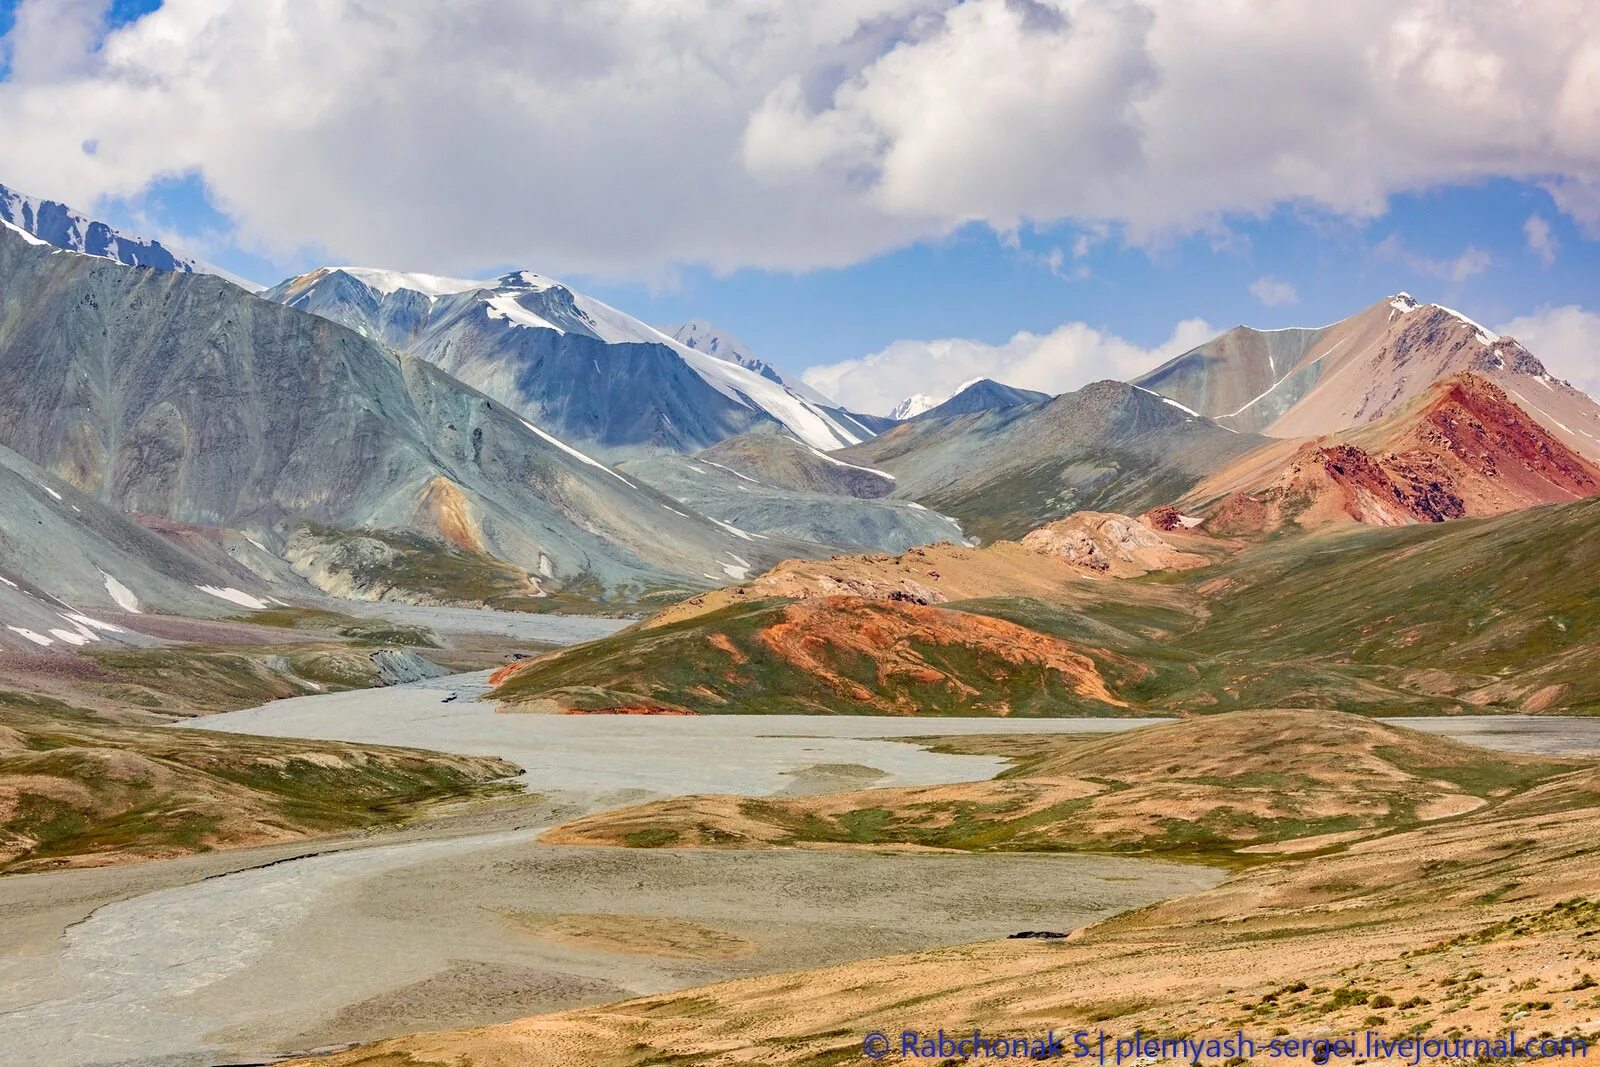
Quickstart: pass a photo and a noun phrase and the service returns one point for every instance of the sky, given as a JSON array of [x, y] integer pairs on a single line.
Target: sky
[[882, 196]]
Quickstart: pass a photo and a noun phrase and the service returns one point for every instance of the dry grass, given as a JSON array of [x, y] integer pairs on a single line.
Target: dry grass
[[1468, 925]]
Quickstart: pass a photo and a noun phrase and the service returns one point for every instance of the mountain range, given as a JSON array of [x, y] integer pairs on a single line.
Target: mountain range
[[181, 396], [59, 225], [381, 434], [590, 373]]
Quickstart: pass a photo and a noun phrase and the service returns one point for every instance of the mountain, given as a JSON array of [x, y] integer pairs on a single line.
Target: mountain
[[1303, 382], [974, 394], [915, 405], [982, 394], [1001, 472], [181, 396], [590, 373], [1460, 449], [702, 336], [59, 225]]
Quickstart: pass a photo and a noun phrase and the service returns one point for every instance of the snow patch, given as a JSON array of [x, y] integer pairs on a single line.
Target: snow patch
[[122, 595], [506, 307], [1484, 336], [32, 240], [388, 282], [36, 638], [575, 454], [1180, 407], [234, 596], [1285, 378], [84, 620], [7, 581], [738, 532], [731, 471], [852, 466]]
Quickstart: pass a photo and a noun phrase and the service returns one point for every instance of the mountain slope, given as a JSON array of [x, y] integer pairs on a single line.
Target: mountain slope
[[181, 396], [59, 225], [1462, 448], [830, 521], [780, 460], [66, 559], [702, 336], [1305, 382], [1109, 446], [590, 373]]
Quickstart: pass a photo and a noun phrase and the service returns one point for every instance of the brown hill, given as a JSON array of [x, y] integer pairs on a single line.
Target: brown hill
[[1228, 789], [831, 655], [1462, 448], [1057, 561]]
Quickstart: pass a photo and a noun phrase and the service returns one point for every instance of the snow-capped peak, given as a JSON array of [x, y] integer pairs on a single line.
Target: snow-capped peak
[[525, 279], [388, 282], [702, 336], [56, 224], [1484, 335], [917, 403], [524, 300]]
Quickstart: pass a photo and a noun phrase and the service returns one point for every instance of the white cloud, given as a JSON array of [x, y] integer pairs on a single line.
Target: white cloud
[[1470, 262], [629, 136], [1273, 292], [1566, 339], [1070, 356], [1541, 242]]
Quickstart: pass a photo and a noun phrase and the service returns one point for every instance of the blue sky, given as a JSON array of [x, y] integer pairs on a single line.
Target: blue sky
[[795, 203]]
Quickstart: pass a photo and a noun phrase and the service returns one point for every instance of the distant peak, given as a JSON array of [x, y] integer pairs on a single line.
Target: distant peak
[[524, 279]]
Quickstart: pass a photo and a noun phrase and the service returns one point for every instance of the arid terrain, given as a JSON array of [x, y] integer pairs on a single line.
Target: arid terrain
[[1456, 897]]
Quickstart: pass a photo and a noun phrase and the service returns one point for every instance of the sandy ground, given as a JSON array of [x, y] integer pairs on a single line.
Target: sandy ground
[[522, 626], [1532, 735], [469, 921]]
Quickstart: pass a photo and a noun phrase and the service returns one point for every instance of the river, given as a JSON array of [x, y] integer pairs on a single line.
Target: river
[[244, 956]]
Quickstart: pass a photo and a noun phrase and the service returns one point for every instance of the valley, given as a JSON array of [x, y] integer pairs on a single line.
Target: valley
[[357, 938], [399, 669]]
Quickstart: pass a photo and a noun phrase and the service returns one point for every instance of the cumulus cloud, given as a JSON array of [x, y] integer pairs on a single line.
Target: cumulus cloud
[[1070, 356], [1273, 292], [1566, 339], [1541, 242], [1470, 262], [630, 136]]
